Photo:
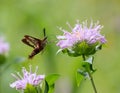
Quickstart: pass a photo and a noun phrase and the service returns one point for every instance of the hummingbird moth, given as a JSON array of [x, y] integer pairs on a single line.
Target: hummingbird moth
[[37, 44]]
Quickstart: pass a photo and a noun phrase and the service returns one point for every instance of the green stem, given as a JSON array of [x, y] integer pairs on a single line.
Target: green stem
[[84, 57], [92, 81], [91, 78]]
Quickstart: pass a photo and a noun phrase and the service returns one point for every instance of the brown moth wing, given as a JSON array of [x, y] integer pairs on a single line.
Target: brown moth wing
[[38, 47], [25, 41], [31, 40], [37, 44]]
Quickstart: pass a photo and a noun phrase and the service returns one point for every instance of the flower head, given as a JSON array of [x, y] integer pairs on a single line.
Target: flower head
[[28, 78], [81, 39], [4, 46]]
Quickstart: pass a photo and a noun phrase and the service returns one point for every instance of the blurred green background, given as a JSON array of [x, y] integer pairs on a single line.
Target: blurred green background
[[20, 17]]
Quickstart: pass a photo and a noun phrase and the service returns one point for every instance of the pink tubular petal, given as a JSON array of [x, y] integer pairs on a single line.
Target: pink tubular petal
[[81, 32], [28, 78]]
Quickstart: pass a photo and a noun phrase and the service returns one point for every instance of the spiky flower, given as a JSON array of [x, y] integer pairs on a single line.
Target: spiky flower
[[27, 78], [82, 40]]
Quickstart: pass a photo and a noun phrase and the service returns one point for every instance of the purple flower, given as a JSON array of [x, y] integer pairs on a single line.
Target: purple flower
[[28, 78], [4, 46], [80, 33]]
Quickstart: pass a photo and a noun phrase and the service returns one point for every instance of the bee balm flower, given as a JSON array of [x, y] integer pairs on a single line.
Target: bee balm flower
[[82, 40], [28, 78]]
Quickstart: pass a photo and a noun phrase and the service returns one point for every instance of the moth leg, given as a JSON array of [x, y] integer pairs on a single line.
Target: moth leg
[[26, 42]]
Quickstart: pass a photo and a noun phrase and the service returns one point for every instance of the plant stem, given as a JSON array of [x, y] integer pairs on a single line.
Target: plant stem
[[92, 81], [91, 78], [83, 56]]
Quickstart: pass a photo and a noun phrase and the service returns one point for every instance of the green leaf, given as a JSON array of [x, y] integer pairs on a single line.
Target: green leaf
[[83, 72], [90, 59], [51, 88], [65, 50], [46, 87], [99, 47], [50, 82], [52, 78], [79, 78], [30, 89], [88, 63], [70, 52]]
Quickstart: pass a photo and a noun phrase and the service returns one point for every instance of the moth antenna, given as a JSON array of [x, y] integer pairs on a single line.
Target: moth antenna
[[44, 32]]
